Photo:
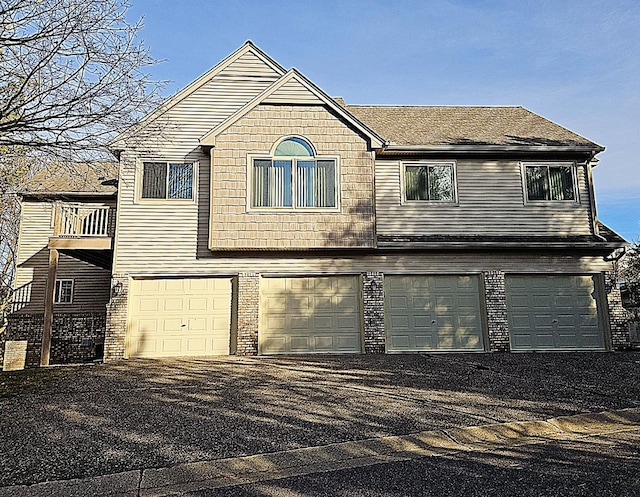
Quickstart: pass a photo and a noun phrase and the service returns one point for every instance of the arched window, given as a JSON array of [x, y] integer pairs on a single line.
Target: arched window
[[294, 177]]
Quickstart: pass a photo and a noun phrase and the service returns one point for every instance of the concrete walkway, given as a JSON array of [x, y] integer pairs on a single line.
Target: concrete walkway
[[182, 479]]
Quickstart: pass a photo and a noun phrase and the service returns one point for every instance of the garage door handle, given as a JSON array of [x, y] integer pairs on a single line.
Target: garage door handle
[[554, 321], [182, 325]]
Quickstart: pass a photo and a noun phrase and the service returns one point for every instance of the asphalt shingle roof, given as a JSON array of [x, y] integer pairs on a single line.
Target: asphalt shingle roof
[[446, 125], [98, 178]]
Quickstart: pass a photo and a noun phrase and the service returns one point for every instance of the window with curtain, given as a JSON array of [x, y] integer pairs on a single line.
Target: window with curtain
[[550, 182], [163, 180], [294, 177], [432, 182]]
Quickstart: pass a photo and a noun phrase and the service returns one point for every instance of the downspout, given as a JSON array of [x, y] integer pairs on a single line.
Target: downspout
[[592, 195]]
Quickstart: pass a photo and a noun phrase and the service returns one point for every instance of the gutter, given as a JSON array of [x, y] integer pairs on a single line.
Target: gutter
[[489, 148]]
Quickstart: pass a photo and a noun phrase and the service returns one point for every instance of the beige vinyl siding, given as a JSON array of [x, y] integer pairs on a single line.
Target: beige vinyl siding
[[292, 92], [490, 202], [91, 283], [175, 135]]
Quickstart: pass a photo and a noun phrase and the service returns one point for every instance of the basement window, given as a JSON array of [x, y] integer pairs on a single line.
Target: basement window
[[63, 292]]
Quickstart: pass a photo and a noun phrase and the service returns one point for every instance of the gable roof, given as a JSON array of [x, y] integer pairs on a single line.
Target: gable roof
[[247, 48], [445, 127], [307, 92]]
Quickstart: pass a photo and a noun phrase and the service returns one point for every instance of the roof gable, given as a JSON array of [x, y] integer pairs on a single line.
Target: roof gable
[[293, 88], [247, 68]]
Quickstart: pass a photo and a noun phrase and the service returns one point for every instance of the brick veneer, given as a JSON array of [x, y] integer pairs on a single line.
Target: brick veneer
[[373, 312], [619, 317], [248, 313], [116, 328], [69, 330], [496, 303]]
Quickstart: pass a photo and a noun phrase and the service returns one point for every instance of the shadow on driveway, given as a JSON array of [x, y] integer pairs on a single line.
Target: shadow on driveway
[[89, 420]]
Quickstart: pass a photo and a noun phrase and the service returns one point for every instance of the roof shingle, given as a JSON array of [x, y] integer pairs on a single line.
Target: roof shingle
[[456, 126]]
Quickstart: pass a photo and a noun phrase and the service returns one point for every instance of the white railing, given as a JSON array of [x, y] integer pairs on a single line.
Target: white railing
[[81, 220]]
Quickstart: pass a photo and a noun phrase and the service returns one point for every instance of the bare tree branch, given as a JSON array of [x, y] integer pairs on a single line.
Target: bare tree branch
[[72, 76]]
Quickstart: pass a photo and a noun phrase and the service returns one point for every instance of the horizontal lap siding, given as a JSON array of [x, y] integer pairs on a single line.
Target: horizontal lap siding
[[91, 283], [490, 202], [175, 135]]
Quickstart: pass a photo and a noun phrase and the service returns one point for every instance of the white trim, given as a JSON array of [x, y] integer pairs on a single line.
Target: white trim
[[139, 178], [57, 291], [294, 208], [550, 202], [424, 162]]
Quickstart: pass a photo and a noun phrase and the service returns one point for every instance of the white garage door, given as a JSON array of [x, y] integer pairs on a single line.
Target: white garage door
[[179, 317], [553, 313], [309, 315], [433, 313]]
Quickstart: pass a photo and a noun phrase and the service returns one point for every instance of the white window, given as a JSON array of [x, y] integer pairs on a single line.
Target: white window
[[429, 181], [293, 177], [165, 180], [550, 181], [63, 292]]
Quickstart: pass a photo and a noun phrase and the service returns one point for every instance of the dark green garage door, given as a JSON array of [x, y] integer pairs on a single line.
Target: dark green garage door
[[433, 313], [553, 313]]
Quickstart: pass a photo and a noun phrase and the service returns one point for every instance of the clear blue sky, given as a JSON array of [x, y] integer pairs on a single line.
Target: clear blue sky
[[576, 62]]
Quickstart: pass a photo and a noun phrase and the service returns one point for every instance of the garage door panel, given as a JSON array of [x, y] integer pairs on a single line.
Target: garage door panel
[[400, 303], [191, 317], [300, 343], [452, 321], [171, 305], [553, 312], [321, 314], [423, 342], [323, 344]]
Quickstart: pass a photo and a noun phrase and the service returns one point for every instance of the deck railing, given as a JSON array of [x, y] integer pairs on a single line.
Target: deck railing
[[75, 220]]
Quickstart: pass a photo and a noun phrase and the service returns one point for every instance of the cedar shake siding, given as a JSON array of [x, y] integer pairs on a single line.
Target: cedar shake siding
[[235, 225]]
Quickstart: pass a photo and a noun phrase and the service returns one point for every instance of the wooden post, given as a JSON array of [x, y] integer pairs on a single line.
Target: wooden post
[[48, 307]]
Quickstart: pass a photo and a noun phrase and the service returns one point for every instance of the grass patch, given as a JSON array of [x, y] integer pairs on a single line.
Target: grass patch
[[13, 383]]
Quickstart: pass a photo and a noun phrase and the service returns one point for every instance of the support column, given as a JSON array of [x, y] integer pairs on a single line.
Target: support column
[[619, 317], [373, 312], [116, 327], [48, 307], [248, 314], [496, 304]]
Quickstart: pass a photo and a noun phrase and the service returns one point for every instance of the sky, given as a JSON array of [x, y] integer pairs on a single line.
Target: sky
[[576, 62]]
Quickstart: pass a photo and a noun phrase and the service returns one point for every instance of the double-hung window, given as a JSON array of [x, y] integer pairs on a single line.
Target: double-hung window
[[165, 180], [293, 177], [430, 181], [550, 182]]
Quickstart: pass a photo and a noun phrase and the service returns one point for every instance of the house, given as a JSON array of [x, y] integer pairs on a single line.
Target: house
[[257, 215]]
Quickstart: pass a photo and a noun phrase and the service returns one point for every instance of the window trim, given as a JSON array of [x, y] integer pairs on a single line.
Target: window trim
[[140, 180], [574, 176], [424, 162], [251, 157], [57, 291]]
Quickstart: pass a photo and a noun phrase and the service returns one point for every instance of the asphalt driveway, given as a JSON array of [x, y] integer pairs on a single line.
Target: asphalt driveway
[[82, 421]]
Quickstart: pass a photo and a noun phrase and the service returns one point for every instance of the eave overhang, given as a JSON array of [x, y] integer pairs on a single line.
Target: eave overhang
[[392, 149]]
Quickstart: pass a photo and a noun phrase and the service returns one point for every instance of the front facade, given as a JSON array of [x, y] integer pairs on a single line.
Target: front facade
[[257, 215]]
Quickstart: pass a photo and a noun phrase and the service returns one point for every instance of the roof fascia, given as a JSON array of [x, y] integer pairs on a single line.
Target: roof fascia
[[208, 139], [198, 83], [472, 149]]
